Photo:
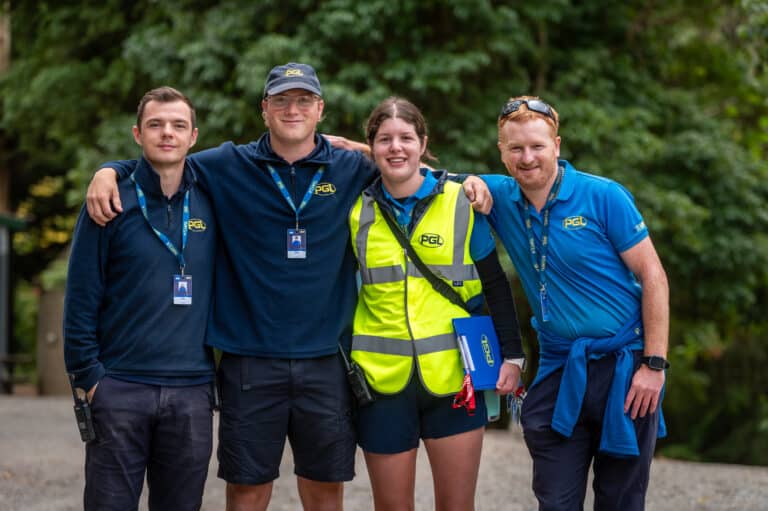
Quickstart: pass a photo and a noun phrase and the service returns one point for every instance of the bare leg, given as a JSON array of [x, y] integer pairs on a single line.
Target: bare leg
[[455, 463], [320, 496], [393, 480], [248, 497]]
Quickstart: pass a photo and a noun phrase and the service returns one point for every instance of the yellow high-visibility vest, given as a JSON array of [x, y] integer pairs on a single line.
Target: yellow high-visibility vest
[[400, 319]]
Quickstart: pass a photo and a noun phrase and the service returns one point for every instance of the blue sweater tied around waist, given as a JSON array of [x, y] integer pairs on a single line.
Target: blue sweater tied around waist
[[618, 437]]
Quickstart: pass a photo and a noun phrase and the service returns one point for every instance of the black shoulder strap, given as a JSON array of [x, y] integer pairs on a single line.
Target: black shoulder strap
[[440, 286]]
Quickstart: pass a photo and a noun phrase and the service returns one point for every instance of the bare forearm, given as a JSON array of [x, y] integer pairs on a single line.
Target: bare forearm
[[655, 309], [644, 262]]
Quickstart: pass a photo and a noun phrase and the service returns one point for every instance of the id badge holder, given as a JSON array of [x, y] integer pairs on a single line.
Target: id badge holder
[[182, 289], [544, 304], [296, 243]]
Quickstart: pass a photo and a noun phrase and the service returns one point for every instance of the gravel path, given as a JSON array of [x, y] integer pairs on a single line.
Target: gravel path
[[41, 460]]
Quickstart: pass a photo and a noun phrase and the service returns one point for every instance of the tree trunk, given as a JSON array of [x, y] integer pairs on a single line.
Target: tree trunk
[[5, 61], [6, 376]]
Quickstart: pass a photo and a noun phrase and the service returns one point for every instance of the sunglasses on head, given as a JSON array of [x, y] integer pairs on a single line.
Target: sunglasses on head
[[534, 105]]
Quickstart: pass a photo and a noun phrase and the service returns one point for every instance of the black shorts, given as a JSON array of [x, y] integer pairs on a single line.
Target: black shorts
[[264, 401], [395, 423]]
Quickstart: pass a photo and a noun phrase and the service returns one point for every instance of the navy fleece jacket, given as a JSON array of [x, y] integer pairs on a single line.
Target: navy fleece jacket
[[119, 316], [265, 304]]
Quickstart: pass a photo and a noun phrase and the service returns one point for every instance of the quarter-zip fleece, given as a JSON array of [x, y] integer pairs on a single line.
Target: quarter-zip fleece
[[119, 316], [265, 304]]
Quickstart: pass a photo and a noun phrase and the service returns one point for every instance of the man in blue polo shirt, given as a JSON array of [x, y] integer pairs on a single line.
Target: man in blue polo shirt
[[601, 310], [134, 324]]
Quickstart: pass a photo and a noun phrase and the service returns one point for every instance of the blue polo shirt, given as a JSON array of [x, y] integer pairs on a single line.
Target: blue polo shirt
[[591, 292], [594, 301]]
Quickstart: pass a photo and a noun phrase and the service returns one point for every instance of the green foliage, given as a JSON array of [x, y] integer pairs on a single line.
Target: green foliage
[[669, 98], [25, 305], [55, 275]]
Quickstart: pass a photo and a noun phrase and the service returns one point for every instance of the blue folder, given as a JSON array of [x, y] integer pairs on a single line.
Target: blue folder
[[480, 350]]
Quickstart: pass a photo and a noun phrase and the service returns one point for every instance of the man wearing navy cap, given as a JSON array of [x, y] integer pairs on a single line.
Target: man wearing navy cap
[[292, 76], [284, 294]]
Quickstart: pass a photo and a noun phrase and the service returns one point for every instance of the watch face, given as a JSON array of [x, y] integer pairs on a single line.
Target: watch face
[[656, 363]]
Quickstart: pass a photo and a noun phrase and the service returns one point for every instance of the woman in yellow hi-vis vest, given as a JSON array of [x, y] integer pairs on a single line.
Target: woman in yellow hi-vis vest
[[403, 336]]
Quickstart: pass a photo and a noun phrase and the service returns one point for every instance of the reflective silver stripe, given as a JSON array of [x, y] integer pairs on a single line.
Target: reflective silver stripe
[[457, 272], [367, 216], [368, 275], [460, 228], [385, 345], [381, 275], [403, 347], [442, 342]]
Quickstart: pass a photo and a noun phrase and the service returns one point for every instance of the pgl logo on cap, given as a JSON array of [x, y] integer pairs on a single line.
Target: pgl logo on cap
[[292, 75]]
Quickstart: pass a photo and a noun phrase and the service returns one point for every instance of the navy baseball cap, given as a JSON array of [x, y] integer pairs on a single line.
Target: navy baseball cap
[[292, 76]]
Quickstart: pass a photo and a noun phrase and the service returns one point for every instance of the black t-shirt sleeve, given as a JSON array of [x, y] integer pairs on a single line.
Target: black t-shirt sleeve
[[501, 305]]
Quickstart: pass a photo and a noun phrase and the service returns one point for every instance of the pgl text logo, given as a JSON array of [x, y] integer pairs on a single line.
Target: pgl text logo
[[431, 240]]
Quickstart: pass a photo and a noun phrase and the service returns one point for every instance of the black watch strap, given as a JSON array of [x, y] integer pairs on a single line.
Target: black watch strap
[[656, 363]]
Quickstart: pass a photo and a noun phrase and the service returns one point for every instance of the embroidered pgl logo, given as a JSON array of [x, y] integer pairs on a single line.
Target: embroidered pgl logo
[[574, 223], [324, 189], [196, 225]]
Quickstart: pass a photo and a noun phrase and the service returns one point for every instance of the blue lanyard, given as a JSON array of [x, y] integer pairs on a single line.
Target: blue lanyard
[[307, 196], [184, 225], [541, 265]]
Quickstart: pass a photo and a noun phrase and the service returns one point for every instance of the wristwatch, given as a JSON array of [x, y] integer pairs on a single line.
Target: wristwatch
[[519, 362], [656, 363]]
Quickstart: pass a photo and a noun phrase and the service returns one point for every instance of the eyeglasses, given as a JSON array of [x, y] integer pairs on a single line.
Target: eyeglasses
[[303, 102], [535, 105]]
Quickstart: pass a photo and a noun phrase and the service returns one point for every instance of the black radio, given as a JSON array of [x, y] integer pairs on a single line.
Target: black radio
[[82, 414], [357, 382]]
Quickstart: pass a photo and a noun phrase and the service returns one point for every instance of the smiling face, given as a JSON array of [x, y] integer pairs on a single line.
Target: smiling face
[[397, 151], [292, 117], [397, 134], [166, 133], [530, 151]]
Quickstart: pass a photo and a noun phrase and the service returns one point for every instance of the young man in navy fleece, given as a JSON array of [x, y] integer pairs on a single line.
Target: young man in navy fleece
[[134, 324]]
